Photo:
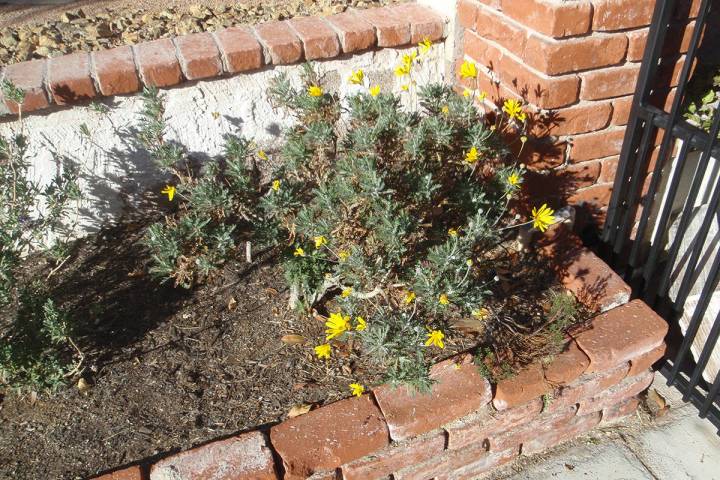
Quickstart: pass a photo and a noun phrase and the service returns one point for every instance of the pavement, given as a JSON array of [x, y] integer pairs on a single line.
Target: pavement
[[675, 446]]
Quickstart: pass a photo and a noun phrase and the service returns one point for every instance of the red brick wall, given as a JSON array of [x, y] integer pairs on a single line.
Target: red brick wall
[[575, 64]]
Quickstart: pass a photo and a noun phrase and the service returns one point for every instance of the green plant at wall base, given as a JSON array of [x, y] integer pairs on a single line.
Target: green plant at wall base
[[704, 97], [35, 344]]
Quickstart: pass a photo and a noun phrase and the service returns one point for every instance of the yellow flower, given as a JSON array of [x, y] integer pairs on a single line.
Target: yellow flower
[[343, 255], [483, 96], [435, 337], [472, 155], [468, 70], [169, 191], [481, 313], [513, 109], [320, 241], [276, 185], [346, 292], [315, 91], [361, 324], [469, 262], [375, 90], [514, 179], [524, 139], [357, 77], [452, 232], [543, 218], [402, 70], [405, 87], [299, 252], [425, 46], [445, 110], [521, 116], [323, 351], [336, 325], [262, 155], [409, 59], [467, 92], [409, 297], [443, 299], [356, 389]]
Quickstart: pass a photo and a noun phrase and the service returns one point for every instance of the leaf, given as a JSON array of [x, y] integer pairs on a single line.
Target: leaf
[[232, 304], [293, 339], [657, 403], [299, 409]]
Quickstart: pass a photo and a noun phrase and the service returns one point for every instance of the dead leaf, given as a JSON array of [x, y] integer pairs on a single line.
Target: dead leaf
[[271, 291], [293, 339], [232, 304], [33, 397], [656, 403], [83, 385], [300, 409]]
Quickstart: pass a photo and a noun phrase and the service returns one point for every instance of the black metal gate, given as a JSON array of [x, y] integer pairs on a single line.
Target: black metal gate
[[662, 230]]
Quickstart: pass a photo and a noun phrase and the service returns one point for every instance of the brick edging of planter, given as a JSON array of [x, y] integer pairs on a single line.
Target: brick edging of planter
[[464, 427], [79, 77]]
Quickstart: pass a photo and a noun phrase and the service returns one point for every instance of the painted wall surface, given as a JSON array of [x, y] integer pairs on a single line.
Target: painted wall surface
[[118, 174]]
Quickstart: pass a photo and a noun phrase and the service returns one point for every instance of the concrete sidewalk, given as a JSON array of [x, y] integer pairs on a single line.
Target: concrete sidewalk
[[676, 446]]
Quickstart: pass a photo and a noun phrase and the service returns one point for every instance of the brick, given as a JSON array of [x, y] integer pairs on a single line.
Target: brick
[[528, 431], [467, 13], [240, 49], [596, 196], [331, 436], [131, 473], [69, 78], [457, 391], [424, 22], [355, 33], [541, 90], [621, 334], [567, 366], [621, 14], [609, 82], [199, 56], [583, 118], [668, 74], [637, 39], [561, 432], [621, 410], [245, 456], [543, 153], [479, 426], [646, 360], [608, 169], [529, 384], [494, 26], [484, 464], [621, 110], [395, 458], [280, 41], [157, 63], [629, 387], [575, 176], [319, 39], [592, 146], [556, 57], [496, 4], [29, 76], [115, 71], [391, 29], [587, 386], [677, 41], [555, 19]]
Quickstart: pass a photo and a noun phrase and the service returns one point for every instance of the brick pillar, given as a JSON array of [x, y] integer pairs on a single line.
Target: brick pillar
[[574, 63]]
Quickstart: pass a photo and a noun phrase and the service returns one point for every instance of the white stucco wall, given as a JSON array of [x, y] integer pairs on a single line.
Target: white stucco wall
[[118, 174]]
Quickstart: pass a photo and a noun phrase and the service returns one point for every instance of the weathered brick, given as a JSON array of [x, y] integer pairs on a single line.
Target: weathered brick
[[528, 431], [28, 76], [596, 196], [556, 57], [157, 63], [608, 169], [330, 436], [390, 28], [131, 473], [494, 26], [621, 110], [646, 360], [583, 118], [592, 146], [280, 41], [395, 458], [621, 14], [424, 22], [458, 390], [587, 386], [479, 426], [319, 39], [69, 78], [354, 32], [621, 334], [199, 56], [480, 466], [629, 387], [677, 41], [543, 153], [621, 410], [529, 384], [556, 19], [567, 366], [575, 176], [560, 432], [240, 49], [467, 13], [609, 82], [115, 71], [245, 456]]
